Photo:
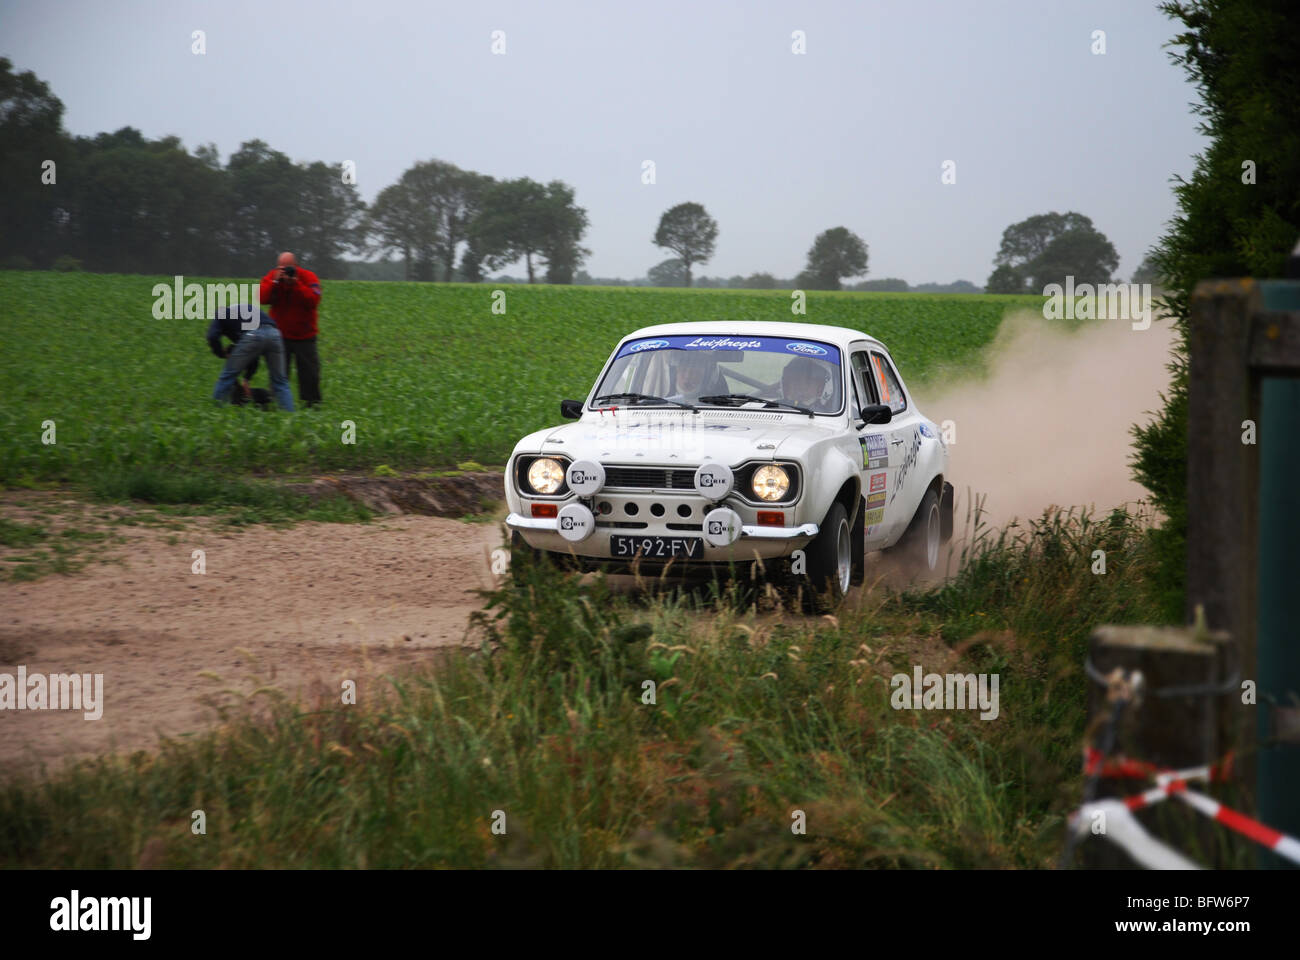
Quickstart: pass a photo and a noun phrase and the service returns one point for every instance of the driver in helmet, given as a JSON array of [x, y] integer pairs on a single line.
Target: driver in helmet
[[803, 381], [694, 371]]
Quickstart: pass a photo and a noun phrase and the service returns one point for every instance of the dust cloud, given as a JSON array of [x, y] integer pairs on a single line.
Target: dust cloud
[[1049, 425]]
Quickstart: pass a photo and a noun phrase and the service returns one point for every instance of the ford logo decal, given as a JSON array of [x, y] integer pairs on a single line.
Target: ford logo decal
[[647, 345], [807, 349]]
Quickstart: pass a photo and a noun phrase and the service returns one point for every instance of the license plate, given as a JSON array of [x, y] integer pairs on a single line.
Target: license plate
[[657, 548]]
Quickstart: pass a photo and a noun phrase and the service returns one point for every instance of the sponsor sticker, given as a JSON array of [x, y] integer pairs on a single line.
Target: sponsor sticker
[[878, 482], [873, 517], [647, 345], [874, 451], [723, 343], [805, 349], [908, 462]]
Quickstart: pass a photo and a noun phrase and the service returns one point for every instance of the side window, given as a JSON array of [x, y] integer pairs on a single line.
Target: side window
[[856, 409], [887, 382], [863, 378]]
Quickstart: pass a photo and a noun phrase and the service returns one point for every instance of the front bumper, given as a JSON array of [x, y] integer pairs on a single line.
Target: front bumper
[[747, 531], [626, 505], [755, 543]]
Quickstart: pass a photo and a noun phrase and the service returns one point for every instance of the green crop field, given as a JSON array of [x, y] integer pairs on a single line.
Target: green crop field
[[428, 374]]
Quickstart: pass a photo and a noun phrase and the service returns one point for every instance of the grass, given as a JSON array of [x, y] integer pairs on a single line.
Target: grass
[[30, 551], [754, 721], [238, 501], [427, 374]]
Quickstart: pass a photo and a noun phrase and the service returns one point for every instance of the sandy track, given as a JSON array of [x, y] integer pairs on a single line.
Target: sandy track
[[309, 605]]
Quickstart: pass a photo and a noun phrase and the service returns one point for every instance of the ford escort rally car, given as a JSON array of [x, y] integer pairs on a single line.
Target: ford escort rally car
[[704, 445]]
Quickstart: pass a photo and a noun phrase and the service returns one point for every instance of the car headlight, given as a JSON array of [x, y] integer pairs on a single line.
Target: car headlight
[[770, 482], [545, 475]]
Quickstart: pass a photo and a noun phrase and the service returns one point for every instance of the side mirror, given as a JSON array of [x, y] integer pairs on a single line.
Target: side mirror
[[572, 409], [877, 413]]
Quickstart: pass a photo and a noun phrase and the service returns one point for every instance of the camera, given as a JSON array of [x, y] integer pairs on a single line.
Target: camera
[[290, 271]]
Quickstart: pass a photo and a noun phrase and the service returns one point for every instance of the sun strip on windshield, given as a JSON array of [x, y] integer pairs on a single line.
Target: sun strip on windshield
[[818, 350]]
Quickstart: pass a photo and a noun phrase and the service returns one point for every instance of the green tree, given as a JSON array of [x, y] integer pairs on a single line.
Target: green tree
[[463, 198], [264, 190], [31, 132], [1240, 54], [522, 219], [1005, 279], [508, 226], [688, 231], [835, 254], [1084, 254], [396, 223], [563, 224], [426, 185], [1147, 272], [669, 273], [884, 285], [138, 206], [330, 219], [1047, 248]]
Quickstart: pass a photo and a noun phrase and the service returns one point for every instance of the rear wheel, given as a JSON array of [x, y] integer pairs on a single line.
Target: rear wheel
[[919, 546], [859, 536], [830, 562]]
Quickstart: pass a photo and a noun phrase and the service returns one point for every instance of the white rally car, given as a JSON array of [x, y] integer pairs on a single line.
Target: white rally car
[[704, 445]]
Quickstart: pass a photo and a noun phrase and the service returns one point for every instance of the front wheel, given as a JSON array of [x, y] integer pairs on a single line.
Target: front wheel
[[830, 562], [522, 558]]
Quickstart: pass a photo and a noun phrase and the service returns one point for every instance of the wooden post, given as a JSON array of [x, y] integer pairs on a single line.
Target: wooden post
[[1174, 732], [1240, 333], [1222, 471]]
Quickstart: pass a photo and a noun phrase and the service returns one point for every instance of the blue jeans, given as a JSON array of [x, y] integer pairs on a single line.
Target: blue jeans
[[263, 342]]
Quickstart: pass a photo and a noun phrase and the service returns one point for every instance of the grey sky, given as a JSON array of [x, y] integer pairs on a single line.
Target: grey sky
[[777, 146]]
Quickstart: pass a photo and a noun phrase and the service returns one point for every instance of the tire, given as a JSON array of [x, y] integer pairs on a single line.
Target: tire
[[859, 534], [919, 545], [830, 562], [522, 558]]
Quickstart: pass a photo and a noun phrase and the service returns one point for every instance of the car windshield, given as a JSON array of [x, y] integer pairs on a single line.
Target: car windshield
[[725, 371]]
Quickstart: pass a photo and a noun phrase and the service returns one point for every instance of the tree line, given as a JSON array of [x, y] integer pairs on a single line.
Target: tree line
[[119, 202]]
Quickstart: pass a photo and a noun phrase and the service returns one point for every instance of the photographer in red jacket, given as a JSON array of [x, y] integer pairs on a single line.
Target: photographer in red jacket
[[292, 293]]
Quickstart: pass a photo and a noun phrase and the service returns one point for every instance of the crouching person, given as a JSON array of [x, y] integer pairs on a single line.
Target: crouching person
[[261, 341]]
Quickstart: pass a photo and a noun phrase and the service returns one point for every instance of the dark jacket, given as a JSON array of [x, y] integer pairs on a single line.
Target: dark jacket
[[228, 323]]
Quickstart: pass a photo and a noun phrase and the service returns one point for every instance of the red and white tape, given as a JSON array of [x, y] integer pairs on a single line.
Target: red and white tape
[[1174, 783], [1265, 836], [1123, 829], [1139, 769]]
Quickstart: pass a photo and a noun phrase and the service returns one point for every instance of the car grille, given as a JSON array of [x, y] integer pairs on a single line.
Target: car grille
[[659, 478]]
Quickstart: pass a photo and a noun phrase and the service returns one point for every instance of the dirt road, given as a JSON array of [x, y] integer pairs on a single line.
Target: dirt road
[[301, 608]]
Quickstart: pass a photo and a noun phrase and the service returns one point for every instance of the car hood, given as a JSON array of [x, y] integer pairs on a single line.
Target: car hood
[[668, 439]]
